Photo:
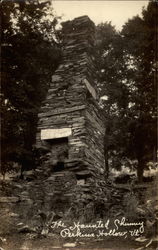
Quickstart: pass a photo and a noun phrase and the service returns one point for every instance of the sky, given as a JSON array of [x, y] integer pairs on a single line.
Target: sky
[[118, 12]]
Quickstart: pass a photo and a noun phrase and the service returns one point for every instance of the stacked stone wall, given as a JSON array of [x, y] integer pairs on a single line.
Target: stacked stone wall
[[71, 101]]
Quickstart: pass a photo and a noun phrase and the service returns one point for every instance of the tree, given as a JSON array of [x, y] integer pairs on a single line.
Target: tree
[[113, 90], [30, 55], [126, 67], [139, 36]]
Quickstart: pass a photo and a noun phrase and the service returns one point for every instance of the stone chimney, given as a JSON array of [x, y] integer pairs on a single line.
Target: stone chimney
[[70, 123]]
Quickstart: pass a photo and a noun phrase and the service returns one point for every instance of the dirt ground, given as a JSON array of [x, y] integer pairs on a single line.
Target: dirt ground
[[30, 241], [25, 243]]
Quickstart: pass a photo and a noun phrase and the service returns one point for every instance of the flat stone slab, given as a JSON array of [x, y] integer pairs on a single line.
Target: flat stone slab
[[9, 199], [47, 134]]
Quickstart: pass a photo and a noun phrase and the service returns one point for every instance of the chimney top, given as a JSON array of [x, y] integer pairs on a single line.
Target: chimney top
[[79, 24]]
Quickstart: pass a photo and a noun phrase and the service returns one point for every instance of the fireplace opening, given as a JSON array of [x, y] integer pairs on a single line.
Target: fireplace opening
[[59, 153]]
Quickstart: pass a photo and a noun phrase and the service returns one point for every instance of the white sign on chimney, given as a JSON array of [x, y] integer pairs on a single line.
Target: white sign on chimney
[[47, 134]]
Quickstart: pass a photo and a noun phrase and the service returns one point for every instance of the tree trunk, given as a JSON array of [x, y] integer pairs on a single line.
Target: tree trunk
[[106, 142], [106, 164]]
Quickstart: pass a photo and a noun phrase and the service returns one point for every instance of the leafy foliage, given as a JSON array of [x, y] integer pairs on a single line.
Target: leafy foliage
[[114, 92], [139, 36], [127, 72], [30, 54]]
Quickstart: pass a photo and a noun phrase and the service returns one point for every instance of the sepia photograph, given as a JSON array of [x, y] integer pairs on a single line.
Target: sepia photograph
[[78, 166]]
